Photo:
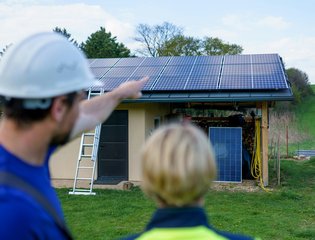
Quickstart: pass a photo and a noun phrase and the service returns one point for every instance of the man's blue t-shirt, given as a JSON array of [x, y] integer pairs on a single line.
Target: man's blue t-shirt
[[21, 217]]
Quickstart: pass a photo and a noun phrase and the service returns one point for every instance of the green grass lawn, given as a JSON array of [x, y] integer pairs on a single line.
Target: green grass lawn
[[287, 212]]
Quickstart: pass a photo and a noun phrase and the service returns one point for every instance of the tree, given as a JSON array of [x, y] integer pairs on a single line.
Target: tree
[[215, 46], [300, 84], [153, 38], [188, 46], [168, 40], [101, 44], [65, 33], [180, 46]]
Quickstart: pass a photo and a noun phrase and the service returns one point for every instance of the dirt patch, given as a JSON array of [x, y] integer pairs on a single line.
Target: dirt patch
[[68, 183], [297, 159], [245, 186]]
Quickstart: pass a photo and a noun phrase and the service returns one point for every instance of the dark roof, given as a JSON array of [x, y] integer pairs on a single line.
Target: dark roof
[[229, 78]]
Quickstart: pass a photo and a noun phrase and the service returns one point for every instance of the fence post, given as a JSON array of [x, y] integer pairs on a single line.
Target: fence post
[[264, 138], [287, 139], [278, 161]]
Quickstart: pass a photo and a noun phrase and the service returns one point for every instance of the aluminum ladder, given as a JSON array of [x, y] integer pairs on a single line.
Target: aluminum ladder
[[87, 157]]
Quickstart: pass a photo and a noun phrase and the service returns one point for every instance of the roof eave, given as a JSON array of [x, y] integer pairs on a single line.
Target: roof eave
[[281, 95]]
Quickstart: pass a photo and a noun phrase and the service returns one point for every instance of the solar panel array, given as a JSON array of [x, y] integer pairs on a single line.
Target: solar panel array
[[227, 143], [190, 73]]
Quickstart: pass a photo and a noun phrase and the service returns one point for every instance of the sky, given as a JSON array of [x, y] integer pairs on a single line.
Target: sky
[[286, 27]]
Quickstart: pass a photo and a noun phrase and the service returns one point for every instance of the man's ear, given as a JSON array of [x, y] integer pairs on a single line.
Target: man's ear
[[58, 108]]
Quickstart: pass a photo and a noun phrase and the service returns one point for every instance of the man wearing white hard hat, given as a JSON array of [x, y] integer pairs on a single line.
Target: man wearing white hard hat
[[42, 83]]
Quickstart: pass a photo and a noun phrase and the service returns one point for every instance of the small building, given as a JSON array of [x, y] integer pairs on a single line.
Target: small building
[[228, 96]]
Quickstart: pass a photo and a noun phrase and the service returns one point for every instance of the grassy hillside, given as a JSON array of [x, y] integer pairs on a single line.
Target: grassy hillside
[[299, 121], [305, 115]]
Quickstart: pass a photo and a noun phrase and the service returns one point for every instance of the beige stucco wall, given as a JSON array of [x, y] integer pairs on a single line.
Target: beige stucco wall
[[64, 160], [141, 124], [152, 111]]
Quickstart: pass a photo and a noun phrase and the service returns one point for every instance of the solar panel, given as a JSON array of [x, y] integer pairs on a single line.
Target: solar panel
[[120, 72], [147, 71], [150, 71], [265, 58], [268, 76], [104, 62], [237, 59], [243, 72], [236, 82], [149, 84], [237, 69], [253, 76], [113, 82], [188, 60], [206, 70], [259, 69], [180, 70], [170, 83], [155, 61], [209, 60], [227, 143], [99, 71], [265, 81], [90, 60], [129, 62], [202, 82]]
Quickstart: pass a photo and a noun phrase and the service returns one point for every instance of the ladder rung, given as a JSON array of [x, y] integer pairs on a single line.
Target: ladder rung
[[89, 156], [95, 94], [81, 190], [82, 178], [87, 144], [89, 134], [84, 167], [82, 193]]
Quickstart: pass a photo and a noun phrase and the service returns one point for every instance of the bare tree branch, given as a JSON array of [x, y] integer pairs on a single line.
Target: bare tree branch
[[154, 37]]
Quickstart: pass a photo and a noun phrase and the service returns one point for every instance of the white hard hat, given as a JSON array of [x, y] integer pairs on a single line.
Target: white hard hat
[[44, 65]]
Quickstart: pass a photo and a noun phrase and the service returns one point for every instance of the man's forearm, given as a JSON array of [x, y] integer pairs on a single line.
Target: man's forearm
[[97, 110]]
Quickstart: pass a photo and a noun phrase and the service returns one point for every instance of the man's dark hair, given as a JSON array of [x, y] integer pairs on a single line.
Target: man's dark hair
[[14, 108]]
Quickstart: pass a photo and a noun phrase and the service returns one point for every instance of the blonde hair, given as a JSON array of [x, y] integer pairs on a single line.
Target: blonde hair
[[178, 165]]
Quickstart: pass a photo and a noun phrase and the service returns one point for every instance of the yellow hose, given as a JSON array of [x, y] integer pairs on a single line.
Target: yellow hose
[[256, 165]]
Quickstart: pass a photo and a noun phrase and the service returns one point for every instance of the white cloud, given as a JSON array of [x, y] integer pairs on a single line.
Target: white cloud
[[298, 52], [237, 22], [22, 2], [247, 26], [18, 21], [220, 33], [253, 34], [247, 22], [277, 23]]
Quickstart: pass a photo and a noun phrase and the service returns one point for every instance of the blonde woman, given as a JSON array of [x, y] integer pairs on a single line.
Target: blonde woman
[[178, 165]]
